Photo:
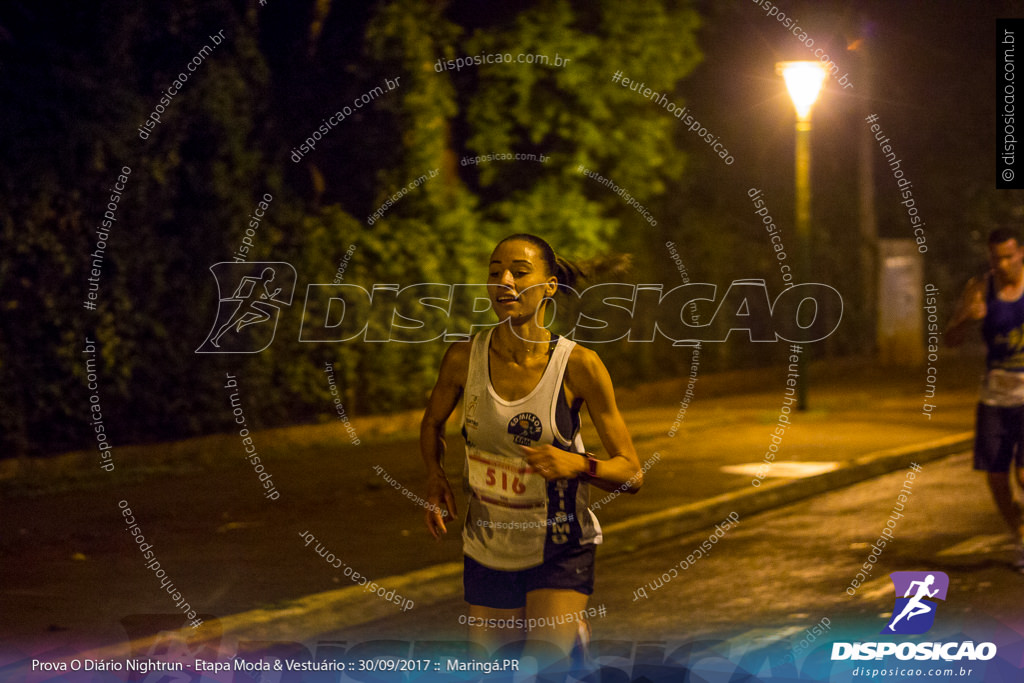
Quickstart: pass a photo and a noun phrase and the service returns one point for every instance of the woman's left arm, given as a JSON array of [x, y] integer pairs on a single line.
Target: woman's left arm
[[588, 380]]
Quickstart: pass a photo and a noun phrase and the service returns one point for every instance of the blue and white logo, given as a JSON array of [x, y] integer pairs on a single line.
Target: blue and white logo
[[914, 613], [525, 429]]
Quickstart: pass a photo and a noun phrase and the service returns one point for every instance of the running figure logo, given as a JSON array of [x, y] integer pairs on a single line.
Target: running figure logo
[[915, 614], [258, 291]]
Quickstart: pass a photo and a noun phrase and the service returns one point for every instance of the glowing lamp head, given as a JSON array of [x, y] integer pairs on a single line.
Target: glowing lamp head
[[804, 81]]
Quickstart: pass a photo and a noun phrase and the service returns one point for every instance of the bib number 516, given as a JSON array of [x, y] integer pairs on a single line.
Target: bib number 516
[[517, 486]]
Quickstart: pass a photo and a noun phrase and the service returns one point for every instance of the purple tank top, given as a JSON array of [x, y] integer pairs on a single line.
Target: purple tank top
[[1003, 331]]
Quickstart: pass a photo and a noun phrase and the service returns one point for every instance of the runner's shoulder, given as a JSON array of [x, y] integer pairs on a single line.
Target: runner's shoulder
[[585, 365], [456, 358]]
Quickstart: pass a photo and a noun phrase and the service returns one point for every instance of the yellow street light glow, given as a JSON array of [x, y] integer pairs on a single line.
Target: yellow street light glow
[[803, 81]]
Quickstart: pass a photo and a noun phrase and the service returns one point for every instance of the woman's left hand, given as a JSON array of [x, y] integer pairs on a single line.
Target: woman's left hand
[[554, 463]]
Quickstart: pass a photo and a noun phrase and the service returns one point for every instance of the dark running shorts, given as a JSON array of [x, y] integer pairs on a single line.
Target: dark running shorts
[[571, 570], [998, 437]]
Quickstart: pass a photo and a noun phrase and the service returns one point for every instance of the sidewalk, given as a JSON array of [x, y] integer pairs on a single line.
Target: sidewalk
[[239, 558]]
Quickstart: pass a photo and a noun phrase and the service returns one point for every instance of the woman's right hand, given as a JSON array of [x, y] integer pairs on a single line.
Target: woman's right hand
[[442, 504]]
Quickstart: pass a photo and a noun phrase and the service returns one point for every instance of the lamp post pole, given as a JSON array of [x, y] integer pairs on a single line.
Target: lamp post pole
[[803, 231], [803, 81]]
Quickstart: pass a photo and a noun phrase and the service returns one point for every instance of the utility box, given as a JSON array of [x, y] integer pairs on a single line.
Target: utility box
[[900, 301]]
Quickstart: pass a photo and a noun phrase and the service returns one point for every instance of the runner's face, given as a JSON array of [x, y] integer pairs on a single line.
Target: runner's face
[[515, 271], [1007, 259]]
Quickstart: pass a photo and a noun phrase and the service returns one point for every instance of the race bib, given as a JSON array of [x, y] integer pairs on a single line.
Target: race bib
[[1003, 388], [505, 480]]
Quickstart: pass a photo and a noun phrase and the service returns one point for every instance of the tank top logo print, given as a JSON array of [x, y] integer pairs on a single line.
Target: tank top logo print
[[525, 429], [471, 411], [1012, 340]]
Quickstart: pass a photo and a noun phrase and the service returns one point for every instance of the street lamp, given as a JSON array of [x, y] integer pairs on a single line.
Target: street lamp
[[803, 81]]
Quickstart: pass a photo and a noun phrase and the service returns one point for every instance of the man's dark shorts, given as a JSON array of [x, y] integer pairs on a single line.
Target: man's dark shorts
[[998, 438], [571, 570]]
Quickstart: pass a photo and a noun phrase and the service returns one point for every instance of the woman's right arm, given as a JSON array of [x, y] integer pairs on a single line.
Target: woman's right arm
[[443, 399]]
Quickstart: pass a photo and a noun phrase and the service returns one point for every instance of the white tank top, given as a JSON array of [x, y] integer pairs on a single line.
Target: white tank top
[[517, 519]]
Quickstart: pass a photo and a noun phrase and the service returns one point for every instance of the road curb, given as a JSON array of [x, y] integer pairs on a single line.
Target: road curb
[[303, 619], [665, 524]]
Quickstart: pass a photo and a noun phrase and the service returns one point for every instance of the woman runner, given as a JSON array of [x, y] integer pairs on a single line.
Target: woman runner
[[529, 538]]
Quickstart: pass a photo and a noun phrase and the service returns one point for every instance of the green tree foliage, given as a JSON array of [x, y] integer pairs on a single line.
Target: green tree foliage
[[570, 110], [576, 115], [78, 86], [78, 82]]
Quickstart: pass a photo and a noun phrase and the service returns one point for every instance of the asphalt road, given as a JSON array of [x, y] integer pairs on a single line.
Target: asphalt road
[[772, 578], [71, 575]]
